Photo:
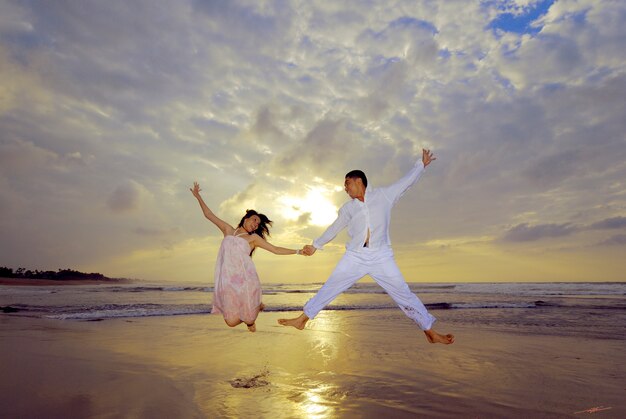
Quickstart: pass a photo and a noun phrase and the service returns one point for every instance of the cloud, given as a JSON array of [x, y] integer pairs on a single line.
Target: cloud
[[551, 169], [23, 156], [576, 40], [156, 232], [125, 197], [304, 219], [525, 232], [616, 240], [314, 153], [104, 111], [15, 20], [610, 223]]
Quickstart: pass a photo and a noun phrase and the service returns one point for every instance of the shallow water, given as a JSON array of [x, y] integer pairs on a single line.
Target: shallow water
[[348, 363], [568, 309]]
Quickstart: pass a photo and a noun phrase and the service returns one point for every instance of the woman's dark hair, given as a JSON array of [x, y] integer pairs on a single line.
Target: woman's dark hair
[[354, 174], [264, 226]]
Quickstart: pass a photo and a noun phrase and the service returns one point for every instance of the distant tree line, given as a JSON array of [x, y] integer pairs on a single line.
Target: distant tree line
[[60, 275]]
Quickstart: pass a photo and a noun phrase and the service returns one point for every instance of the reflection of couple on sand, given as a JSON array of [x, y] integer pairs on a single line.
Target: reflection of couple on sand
[[237, 291]]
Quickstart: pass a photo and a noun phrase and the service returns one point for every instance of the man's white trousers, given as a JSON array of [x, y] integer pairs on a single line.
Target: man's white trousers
[[382, 267]]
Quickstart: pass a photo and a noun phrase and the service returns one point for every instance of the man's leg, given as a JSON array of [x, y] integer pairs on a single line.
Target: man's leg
[[345, 274], [386, 273]]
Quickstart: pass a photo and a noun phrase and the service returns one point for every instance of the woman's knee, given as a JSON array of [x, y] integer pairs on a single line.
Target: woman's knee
[[232, 321]]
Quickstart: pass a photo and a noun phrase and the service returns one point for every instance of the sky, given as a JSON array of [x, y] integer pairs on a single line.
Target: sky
[[109, 111]]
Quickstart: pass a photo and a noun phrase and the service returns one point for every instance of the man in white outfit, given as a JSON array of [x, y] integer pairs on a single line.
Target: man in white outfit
[[367, 216]]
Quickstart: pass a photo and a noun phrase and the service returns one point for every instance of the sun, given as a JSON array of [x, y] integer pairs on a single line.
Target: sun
[[316, 202]]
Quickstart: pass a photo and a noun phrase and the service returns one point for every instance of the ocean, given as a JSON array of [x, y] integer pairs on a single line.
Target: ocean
[[521, 350], [596, 310]]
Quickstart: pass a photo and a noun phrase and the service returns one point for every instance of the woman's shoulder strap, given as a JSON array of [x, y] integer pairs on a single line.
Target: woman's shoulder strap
[[240, 234]]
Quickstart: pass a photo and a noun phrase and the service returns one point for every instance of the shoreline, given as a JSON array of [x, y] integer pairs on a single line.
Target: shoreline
[[56, 282]]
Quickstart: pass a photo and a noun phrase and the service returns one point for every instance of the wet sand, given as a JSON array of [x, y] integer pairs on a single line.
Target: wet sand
[[346, 364]]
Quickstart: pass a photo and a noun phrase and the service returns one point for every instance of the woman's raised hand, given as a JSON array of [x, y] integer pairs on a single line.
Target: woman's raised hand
[[196, 189]]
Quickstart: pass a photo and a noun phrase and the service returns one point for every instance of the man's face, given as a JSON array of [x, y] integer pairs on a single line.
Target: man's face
[[353, 187]]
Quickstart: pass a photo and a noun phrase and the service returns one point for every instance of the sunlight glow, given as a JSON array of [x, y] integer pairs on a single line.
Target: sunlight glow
[[315, 202]]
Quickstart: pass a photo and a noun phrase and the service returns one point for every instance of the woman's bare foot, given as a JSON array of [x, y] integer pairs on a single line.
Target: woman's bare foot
[[251, 327], [298, 322], [434, 337]]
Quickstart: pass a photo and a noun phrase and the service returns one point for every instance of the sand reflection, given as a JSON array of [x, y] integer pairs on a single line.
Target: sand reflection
[[314, 405], [320, 400], [324, 336]]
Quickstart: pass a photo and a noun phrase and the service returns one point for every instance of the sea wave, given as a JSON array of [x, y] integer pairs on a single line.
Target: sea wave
[[511, 289], [109, 311], [121, 311], [153, 289]]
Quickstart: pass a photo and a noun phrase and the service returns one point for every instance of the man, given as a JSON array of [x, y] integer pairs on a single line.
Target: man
[[369, 252]]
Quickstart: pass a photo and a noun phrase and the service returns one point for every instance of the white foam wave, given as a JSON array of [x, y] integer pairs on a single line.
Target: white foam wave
[[492, 305], [128, 312]]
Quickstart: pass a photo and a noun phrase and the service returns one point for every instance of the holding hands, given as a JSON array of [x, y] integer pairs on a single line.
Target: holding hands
[[307, 250]]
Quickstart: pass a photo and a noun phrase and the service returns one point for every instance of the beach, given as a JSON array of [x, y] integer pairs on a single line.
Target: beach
[[357, 363]]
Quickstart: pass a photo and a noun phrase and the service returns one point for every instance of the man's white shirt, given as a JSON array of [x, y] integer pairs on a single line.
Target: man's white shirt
[[374, 214]]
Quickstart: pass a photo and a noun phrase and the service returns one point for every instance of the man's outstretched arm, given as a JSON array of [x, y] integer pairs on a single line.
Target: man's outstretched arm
[[397, 189], [339, 224]]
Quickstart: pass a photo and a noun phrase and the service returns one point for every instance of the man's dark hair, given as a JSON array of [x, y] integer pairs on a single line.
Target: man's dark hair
[[354, 174]]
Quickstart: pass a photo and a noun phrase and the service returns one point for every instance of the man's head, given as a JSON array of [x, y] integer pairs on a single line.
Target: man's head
[[355, 184]]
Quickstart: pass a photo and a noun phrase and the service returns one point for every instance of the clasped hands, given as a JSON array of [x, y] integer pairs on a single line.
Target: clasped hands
[[308, 250]]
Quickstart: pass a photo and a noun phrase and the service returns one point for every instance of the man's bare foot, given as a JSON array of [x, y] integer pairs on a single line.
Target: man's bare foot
[[298, 322], [251, 327], [434, 337]]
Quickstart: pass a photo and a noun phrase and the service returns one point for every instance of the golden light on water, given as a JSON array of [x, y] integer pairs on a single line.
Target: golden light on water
[[315, 405], [319, 400]]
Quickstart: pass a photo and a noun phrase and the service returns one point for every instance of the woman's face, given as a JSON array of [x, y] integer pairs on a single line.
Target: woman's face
[[250, 224]]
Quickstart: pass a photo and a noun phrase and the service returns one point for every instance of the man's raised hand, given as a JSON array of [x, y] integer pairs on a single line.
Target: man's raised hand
[[427, 157]]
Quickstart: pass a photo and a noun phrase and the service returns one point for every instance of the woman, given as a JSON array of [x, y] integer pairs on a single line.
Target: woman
[[237, 290]]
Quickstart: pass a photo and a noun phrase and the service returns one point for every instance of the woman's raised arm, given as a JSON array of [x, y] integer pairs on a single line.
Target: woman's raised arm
[[221, 224]]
